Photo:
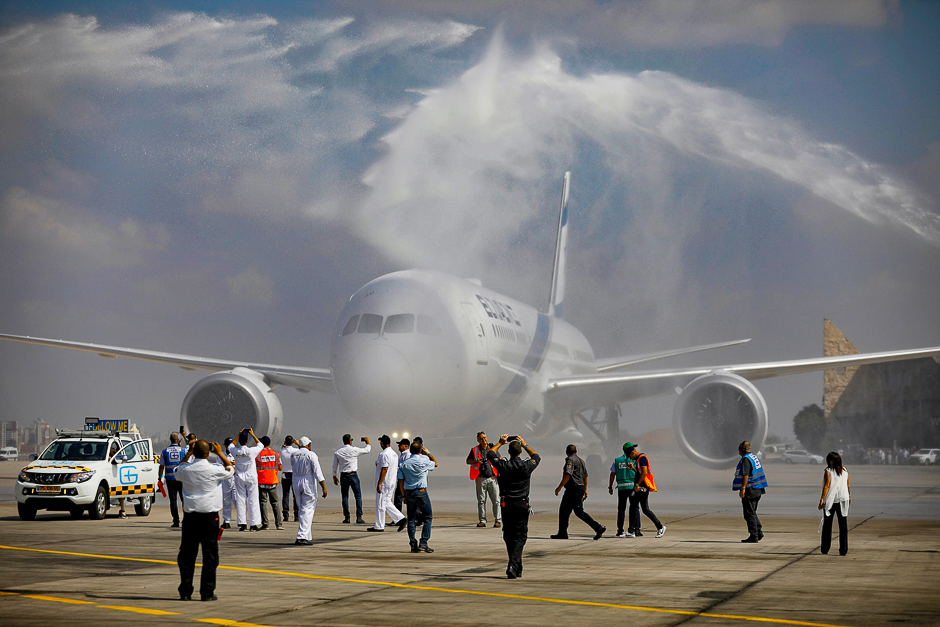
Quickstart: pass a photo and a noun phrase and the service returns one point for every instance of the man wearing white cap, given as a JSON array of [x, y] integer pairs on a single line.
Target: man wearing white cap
[[386, 476], [306, 474]]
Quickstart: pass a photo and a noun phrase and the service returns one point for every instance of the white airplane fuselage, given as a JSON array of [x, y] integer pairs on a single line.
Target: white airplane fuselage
[[430, 351]]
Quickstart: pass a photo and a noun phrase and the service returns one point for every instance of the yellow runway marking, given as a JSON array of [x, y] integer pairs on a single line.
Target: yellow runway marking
[[639, 608], [43, 597], [139, 610], [225, 621]]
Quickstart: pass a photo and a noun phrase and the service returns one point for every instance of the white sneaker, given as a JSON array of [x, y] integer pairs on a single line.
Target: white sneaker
[[621, 535], [661, 532], [628, 535]]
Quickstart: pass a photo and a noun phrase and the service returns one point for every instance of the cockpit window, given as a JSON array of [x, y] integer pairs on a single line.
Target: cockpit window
[[370, 323], [428, 326], [350, 327], [400, 323]]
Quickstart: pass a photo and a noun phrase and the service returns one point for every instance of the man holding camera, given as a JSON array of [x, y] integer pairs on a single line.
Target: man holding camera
[[514, 476], [202, 492], [413, 483], [246, 480], [483, 475], [346, 461]]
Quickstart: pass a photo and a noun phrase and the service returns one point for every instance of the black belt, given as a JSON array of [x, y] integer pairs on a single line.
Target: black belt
[[347, 473], [417, 490]]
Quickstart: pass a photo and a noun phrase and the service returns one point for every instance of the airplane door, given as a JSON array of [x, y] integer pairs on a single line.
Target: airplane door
[[483, 356]]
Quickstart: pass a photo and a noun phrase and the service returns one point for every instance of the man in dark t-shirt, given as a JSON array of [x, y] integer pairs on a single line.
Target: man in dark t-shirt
[[514, 476], [574, 480]]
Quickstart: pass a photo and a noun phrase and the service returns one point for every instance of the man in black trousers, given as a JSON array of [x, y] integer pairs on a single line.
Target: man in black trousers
[[202, 500], [574, 480], [513, 478]]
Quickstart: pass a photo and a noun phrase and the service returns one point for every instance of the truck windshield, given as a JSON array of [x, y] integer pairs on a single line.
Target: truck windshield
[[75, 451]]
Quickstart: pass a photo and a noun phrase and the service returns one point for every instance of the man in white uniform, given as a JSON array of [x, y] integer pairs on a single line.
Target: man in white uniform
[[386, 474], [307, 474], [228, 487], [286, 479], [246, 480], [346, 461]]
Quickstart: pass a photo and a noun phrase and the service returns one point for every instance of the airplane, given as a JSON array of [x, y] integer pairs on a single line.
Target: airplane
[[446, 354]]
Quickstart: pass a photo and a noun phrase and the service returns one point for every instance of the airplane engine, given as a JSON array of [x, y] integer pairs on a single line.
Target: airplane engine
[[714, 414], [223, 403]]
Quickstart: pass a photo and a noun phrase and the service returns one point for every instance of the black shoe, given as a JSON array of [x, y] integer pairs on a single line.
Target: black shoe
[[345, 520], [263, 528], [302, 542], [558, 536], [360, 521], [187, 597], [751, 540], [600, 532], [426, 549], [226, 526], [210, 598], [510, 574], [760, 537], [175, 524], [415, 549], [374, 529], [638, 534], [243, 527], [402, 523]]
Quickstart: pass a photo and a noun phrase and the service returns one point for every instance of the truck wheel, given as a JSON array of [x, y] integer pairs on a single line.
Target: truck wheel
[[143, 507], [99, 506], [77, 512], [26, 512]]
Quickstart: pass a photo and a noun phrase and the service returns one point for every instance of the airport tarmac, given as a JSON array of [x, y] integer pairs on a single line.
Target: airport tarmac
[[699, 573]]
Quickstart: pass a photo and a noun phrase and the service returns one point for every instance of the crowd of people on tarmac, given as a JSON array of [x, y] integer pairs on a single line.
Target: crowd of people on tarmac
[[247, 474]]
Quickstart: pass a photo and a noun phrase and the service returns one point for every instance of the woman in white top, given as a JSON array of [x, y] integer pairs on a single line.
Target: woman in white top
[[834, 502]]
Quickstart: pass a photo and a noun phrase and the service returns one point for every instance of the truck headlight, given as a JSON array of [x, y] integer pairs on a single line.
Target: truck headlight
[[23, 477], [81, 477]]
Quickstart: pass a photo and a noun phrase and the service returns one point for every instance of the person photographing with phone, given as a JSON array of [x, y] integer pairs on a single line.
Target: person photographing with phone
[[346, 461], [514, 477]]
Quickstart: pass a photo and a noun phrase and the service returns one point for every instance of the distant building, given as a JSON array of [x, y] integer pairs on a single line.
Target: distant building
[[35, 437], [8, 434], [880, 405]]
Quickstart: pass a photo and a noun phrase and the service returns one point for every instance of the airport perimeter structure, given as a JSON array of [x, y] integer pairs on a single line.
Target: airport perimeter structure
[[699, 573]]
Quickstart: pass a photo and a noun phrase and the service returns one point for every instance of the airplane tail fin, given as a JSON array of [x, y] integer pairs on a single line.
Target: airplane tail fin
[[556, 299]]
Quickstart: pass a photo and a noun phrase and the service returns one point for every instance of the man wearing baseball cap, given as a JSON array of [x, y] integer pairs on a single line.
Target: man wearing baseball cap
[[307, 474], [624, 471], [403, 453]]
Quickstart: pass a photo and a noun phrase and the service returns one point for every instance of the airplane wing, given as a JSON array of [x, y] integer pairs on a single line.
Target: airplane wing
[[580, 392], [303, 379], [618, 363]]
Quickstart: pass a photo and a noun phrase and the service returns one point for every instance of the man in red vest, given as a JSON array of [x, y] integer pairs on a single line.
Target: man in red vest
[[483, 475], [268, 462]]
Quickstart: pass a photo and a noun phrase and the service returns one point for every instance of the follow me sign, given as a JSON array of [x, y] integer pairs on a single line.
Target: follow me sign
[[107, 425]]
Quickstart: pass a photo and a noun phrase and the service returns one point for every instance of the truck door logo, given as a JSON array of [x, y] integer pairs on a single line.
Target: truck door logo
[[128, 475]]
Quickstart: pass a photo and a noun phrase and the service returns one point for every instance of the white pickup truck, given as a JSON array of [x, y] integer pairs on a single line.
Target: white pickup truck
[[89, 470]]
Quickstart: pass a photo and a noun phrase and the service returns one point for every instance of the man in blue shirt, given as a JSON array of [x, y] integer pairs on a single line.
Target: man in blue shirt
[[413, 483], [169, 460]]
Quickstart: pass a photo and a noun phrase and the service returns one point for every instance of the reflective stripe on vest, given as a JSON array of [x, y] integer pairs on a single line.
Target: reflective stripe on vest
[[756, 480], [266, 463], [625, 475], [648, 480], [475, 468]]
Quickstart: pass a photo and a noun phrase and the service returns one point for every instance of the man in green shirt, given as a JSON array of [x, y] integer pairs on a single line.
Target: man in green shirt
[[624, 471]]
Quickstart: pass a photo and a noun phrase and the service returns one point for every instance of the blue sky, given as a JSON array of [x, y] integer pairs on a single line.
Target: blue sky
[[218, 178]]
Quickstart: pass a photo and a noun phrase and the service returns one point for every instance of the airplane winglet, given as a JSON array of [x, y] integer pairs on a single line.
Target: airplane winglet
[[556, 299]]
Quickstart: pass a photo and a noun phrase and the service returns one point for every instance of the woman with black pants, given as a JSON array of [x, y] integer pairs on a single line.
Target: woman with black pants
[[834, 503]]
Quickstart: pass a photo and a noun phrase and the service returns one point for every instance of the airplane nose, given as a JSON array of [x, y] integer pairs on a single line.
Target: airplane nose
[[380, 382]]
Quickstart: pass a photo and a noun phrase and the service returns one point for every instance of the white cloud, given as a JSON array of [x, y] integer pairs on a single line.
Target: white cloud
[[250, 286]]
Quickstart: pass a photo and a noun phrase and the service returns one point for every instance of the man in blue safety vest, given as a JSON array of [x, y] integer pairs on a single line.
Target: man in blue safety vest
[[749, 483]]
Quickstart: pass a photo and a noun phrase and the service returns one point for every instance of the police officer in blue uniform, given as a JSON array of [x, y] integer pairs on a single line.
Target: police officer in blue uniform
[[169, 460], [750, 483]]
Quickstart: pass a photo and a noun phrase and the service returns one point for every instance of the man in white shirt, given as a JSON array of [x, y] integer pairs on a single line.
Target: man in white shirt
[[386, 479], [246, 480], [286, 480], [202, 500], [228, 488], [346, 461], [403, 445], [306, 475]]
